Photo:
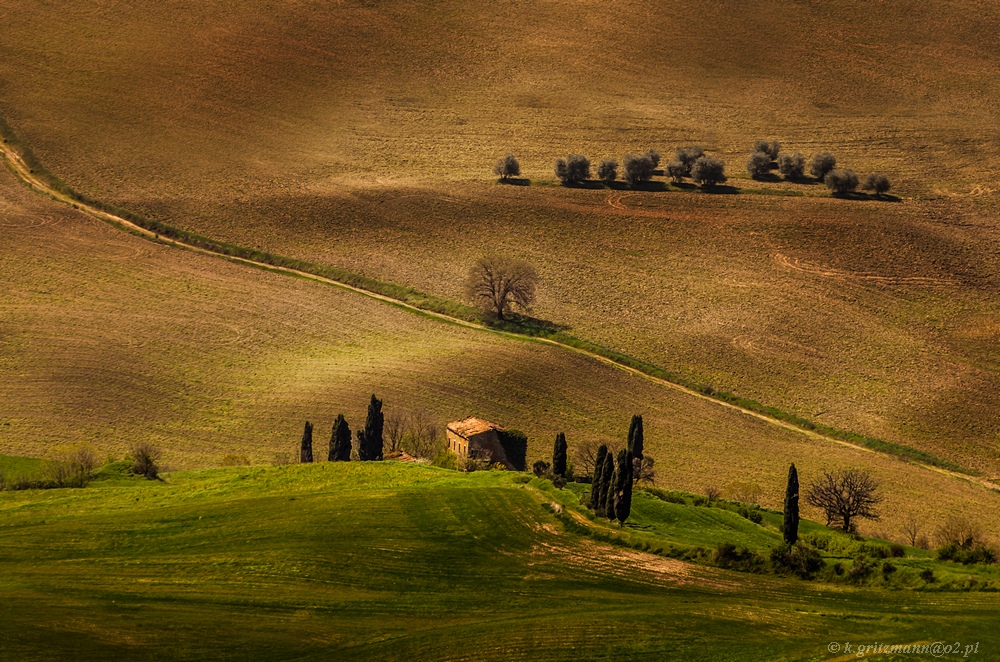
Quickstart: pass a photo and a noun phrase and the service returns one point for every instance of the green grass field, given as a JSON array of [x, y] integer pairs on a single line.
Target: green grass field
[[389, 561]]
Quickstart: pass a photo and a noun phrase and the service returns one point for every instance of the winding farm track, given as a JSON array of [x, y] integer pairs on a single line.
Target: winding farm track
[[22, 171]]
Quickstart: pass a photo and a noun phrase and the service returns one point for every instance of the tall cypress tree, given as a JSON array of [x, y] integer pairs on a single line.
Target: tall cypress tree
[[370, 439], [790, 522], [306, 454], [597, 484], [623, 487], [635, 437], [559, 456], [610, 471], [340, 440]]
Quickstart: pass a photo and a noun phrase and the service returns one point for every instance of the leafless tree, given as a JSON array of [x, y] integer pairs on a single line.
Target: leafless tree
[[585, 457], [499, 283], [145, 460], [643, 471], [395, 428], [960, 530], [744, 492], [911, 529], [423, 435], [712, 492], [844, 496]]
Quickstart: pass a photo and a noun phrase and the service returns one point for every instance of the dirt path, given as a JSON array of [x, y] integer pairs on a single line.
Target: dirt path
[[21, 170]]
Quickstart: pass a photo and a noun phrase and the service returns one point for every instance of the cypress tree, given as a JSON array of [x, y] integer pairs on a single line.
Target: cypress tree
[[559, 456], [623, 487], [790, 522], [597, 484], [306, 454], [609, 486], [370, 439], [635, 437], [340, 441]]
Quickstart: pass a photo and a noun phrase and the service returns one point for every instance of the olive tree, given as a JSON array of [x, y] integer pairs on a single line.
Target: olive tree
[[792, 166], [878, 183], [841, 181], [768, 147], [759, 165], [654, 156], [607, 172], [708, 171], [507, 167], [685, 157], [821, 165], [638, 169], [498, 284], [574, 169], [677, 171]]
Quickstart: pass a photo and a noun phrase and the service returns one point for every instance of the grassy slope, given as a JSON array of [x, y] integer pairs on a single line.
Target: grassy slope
[[300, 128], [109, 339], [318, 554]]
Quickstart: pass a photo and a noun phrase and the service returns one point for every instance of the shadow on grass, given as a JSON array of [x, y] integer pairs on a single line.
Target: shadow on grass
[[646, 186], [515, 181], [586, 184], [866, 197], [724, 189], [769, 177]]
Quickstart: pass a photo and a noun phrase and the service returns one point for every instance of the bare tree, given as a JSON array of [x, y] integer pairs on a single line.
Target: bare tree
[[145, 460], [507, 167], [423, 435], [712, 492], [395, 428], [745, 492], [960, 530], [585, 457], [844, 496], [643, 470], [911, 528], [499, 283]]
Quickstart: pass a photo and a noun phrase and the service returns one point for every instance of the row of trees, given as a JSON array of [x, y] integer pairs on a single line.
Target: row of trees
[[370, 438], [613, 480], [766, 157]]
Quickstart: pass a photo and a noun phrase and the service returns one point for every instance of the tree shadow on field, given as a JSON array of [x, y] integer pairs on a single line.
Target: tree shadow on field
[[723, 189], [515, 181], [866, 197], [647, 186], [769, 177], [525, 325], [585, 184]]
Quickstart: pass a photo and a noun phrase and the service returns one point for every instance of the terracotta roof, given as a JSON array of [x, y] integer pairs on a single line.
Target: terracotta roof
[[471, 426]]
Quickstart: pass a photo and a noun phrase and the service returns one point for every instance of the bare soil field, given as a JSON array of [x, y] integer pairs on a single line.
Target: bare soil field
[[109, 338], [361, 134]]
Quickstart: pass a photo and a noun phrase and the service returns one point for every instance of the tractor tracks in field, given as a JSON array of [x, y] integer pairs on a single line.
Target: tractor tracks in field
[[19, 167], [802, 266]]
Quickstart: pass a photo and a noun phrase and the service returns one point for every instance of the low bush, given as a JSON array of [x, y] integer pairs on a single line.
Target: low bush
[[798, 559], [145, 460], [978, 553], [731, 557]]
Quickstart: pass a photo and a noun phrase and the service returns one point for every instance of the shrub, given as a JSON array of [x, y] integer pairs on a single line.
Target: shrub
[[769, 148], [507, 167], [638, 169], [540, 468], [759, 165], [607, 172], [888, 569], [712, 493], [752, 514], [841, 181], [574, 169], [862, 569], [878, 183], [797, 559], [792, 166], [654, 157], [978, 553], [897, 551], [708, 171], [730, 556], [445, 459], [822, 164], [928, 576], [145, 460]]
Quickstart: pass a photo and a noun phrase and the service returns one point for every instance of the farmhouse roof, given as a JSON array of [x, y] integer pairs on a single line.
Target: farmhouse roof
[[471, 426]]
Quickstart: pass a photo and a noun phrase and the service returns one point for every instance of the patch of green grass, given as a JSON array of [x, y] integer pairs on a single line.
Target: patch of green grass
[[393, 561]]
